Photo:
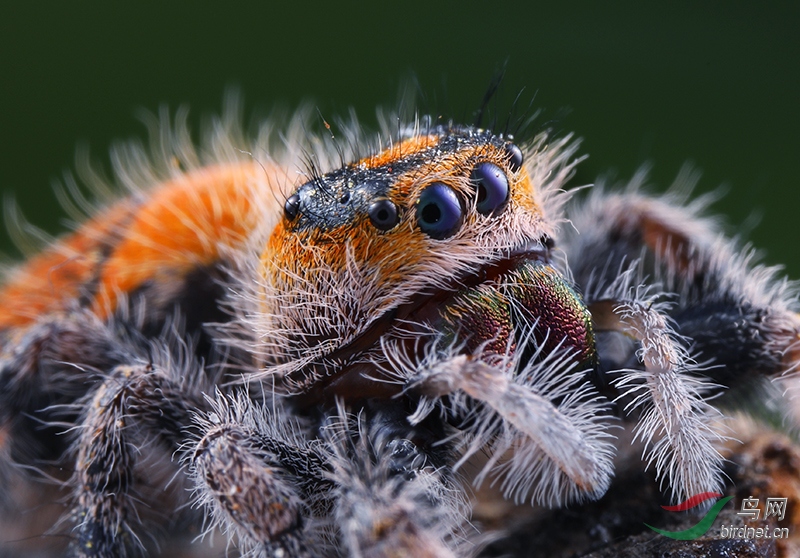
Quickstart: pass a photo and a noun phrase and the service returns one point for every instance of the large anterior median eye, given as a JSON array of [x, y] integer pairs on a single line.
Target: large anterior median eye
[[492, 185], [438, 211]]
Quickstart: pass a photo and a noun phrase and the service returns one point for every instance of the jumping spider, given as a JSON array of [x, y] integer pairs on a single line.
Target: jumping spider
[[311, 362]]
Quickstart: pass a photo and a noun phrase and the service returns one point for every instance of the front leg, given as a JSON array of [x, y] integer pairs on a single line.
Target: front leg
[[257, 479], [544, 410], [696, 320], [395, 492], [135, 406]]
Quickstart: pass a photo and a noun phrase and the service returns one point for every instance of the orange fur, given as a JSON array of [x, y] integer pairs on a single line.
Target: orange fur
[[402, 149], [181, 224]]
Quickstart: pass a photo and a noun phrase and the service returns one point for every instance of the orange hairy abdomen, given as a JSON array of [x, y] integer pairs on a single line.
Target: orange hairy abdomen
[[175, 227]]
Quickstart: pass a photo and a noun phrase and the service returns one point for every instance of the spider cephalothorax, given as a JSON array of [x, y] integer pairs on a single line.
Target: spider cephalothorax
[[329, 362]]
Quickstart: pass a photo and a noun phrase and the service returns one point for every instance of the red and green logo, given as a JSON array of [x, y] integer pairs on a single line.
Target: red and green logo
[[703, 525]]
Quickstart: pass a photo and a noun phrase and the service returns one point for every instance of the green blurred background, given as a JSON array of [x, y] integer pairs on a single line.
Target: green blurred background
[[716, 83]]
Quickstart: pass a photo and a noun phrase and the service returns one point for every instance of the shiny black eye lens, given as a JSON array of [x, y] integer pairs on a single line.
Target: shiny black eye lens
[[438, 211], [515, 158], [292, 207], [383, 215], [492, 185]]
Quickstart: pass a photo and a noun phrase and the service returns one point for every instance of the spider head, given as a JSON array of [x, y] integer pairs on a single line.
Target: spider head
[[424, 232]]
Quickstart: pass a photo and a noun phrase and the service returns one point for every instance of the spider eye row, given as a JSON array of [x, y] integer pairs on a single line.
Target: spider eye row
[[439, 209]]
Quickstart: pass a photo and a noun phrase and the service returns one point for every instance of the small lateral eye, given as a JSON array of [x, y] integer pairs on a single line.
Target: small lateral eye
[[492, 185], [438, 211], [292, 207], [383, 214], [515, 157]]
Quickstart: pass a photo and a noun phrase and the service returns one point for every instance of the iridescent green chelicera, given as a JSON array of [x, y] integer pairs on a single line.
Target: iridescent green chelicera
[[494, 314], [481, 318]]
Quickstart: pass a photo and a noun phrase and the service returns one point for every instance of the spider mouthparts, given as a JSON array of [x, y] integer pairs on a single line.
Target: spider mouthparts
[[528, 300]]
